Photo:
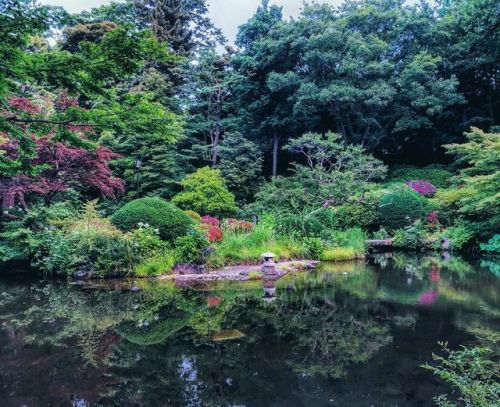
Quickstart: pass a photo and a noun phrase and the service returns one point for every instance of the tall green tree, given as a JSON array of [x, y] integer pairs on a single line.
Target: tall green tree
[[240, 165], [208, 91], [264, 110], [183, 24]]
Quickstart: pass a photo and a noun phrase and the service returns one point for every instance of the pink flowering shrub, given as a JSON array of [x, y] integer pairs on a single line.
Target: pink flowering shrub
[[215, 234], [213, 301], [423, 188], [211, 232], [210, 220], [238, 225], [433, 218]]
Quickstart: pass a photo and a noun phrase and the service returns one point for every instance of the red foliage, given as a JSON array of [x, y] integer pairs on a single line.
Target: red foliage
[[63, 101], [433, 217], [215, 234], [63, 167], [239, 225], [23, 104], [213, 301], [210, 220], [211, 232]]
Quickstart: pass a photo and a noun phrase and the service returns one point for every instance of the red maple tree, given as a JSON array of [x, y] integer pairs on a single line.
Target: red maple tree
[[58, 166]]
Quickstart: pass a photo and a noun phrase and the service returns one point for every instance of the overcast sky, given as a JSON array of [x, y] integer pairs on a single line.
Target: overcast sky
[[226, 14]]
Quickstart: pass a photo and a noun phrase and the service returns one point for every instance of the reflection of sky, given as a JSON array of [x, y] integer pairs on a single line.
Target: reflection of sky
[[189, 375]]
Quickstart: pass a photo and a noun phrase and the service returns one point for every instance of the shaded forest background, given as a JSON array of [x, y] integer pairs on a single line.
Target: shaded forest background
[[144, 80]]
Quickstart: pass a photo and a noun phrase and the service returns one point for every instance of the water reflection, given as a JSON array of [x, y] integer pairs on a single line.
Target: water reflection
[[345, 334]]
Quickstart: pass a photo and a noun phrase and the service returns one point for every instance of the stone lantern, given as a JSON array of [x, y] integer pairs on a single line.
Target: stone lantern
[[268, 264]]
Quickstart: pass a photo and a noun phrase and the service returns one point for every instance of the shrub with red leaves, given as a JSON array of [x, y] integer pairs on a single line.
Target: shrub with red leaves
[[23, 104], [210, 220], [215, 234], [423, 188], [239, 225], [62, 167], [213, 301], [433, 217], [211, 232]]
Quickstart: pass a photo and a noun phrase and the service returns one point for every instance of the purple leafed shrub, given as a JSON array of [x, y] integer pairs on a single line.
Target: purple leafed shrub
[[423, 188], [433, 217]]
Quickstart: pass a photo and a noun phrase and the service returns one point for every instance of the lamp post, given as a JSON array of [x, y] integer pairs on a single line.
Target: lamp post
[[138, 165]]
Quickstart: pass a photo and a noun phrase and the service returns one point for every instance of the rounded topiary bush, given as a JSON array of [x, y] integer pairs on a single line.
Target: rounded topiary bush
[[158, 213], [401, 208]]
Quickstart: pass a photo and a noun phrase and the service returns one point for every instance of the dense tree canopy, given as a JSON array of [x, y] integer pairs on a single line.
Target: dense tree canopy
[[136, 98]]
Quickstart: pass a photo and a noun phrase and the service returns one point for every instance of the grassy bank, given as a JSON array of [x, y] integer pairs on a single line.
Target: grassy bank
[[247, 247]]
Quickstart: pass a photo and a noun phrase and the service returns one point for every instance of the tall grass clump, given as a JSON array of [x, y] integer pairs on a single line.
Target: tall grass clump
[[248, 246], [155, 266], [354, 238], [344, 245], [339, 254]]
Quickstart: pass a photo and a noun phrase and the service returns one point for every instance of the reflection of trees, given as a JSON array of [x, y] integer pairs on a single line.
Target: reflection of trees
[[330, 335], [153, 346]]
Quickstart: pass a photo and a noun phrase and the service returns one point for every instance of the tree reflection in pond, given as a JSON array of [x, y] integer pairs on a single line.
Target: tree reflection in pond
[[346, 332]]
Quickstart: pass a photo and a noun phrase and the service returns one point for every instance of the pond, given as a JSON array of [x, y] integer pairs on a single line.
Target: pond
[[352, 334]]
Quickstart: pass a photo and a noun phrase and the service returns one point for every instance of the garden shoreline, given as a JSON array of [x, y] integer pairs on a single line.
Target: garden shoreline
[[241, 272]]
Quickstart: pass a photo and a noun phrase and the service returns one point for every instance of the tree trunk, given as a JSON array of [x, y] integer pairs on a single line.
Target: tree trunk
[[215, 144], [218, 127], [276, 142]]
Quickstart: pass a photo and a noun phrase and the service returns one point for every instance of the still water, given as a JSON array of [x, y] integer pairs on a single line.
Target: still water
[[351, 334]]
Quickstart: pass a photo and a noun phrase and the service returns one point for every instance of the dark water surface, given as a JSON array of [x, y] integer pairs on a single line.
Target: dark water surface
[[343, 335]]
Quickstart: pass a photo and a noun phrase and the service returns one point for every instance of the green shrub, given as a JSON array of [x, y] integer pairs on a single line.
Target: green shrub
[[401, 208], [154, 266], [493, 245], [146, 242], [460, 234], [193, 215], [205, 192], [411, 237], [94, 252], [313, 247], [436, 174], [20, 239], [356, 215], [305, 225], [170, 221], [87, 245], [354, 238], [191, 249], [237, 247], [473, 373], [381, 234]]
